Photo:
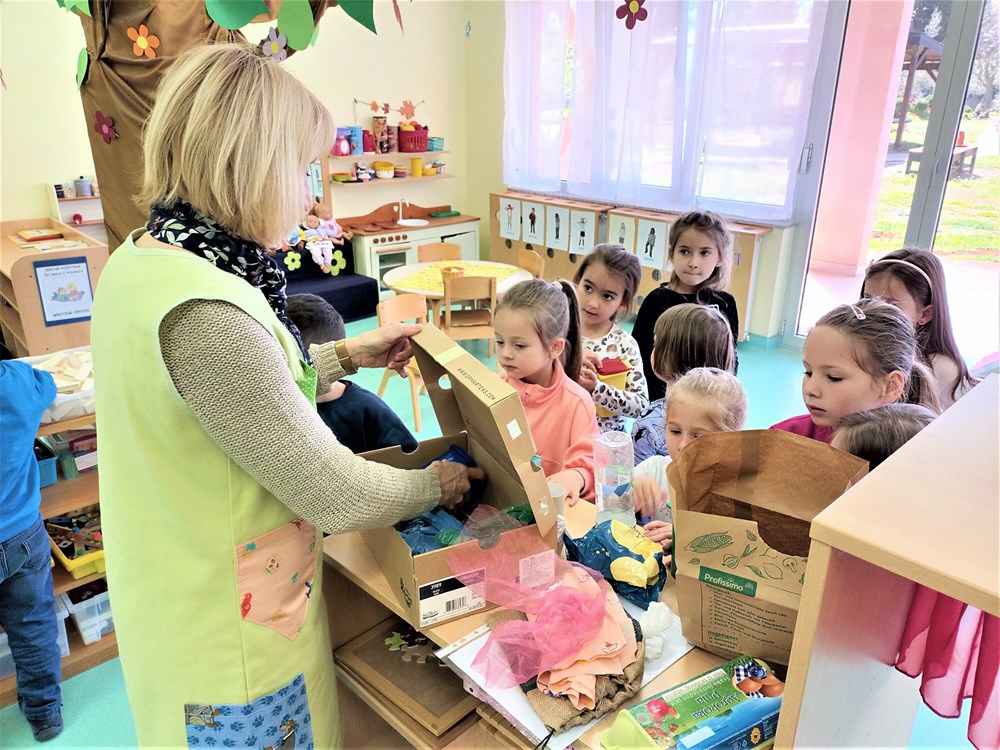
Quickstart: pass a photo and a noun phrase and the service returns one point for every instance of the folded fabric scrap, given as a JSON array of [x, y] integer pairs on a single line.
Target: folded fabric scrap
[[430, 531]]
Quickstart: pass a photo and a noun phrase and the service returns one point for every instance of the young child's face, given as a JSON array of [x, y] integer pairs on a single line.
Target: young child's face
[[601, 294], [520, 350], [887, 287], [695, 258], [685, 422], [834, 385]]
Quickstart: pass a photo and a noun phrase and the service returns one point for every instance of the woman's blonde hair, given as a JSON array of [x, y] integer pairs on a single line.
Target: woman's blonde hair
[[233, 133], [716, 392], [876, 434], [688, 336]]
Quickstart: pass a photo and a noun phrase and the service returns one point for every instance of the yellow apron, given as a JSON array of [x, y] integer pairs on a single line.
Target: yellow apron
[[215, 584]]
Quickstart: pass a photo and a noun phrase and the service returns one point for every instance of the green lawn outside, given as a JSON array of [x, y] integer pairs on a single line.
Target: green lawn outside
[[970, 219]]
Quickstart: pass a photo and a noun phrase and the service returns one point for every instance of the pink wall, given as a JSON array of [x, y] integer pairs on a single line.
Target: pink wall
[[862, 115]]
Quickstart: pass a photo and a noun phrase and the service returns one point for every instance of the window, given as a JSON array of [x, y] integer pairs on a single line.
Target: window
[[700, 104]]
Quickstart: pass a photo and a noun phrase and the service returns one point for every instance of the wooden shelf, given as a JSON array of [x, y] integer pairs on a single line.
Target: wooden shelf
[[69, 494], [89, 223], [67, 424], [80, 659], [63, 581], [387, 157], [393, 181], [79, 198]]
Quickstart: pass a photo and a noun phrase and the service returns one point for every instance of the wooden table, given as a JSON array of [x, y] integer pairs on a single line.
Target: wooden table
[[433, 289], [958, 156]]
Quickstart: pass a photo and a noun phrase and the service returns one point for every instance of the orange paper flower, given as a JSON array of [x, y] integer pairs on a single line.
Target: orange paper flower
[[143, 43]]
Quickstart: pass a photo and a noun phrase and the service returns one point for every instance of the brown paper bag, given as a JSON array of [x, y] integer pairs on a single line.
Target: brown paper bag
[[742, 504]]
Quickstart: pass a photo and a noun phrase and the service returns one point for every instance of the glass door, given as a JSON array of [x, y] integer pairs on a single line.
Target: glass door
[[935, 171]]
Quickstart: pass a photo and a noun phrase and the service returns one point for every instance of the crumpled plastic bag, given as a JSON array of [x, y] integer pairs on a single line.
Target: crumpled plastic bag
[[630, 562]]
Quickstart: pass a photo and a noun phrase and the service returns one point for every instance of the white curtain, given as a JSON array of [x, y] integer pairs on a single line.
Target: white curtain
[[703, 103]]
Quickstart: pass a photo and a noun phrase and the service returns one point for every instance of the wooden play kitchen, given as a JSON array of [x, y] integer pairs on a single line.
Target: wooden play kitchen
[[841, 685]]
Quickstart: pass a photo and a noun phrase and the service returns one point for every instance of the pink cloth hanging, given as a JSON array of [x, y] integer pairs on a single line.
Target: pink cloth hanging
[[956, 648]]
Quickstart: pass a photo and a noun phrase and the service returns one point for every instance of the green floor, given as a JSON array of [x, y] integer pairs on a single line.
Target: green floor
[[95, 708]]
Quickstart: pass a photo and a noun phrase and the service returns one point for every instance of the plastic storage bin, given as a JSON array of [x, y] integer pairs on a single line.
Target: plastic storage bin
[[82, 565], [90, 609], [46, 458], [7, 658]]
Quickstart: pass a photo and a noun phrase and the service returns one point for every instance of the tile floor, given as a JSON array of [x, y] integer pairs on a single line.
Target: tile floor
[[96, 710]]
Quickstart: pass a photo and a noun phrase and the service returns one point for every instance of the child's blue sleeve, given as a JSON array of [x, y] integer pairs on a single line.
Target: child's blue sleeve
[[25, 394]]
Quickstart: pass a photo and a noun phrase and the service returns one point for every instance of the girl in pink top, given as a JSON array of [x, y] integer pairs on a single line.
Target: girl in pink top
[[859, 357], [537, 326]]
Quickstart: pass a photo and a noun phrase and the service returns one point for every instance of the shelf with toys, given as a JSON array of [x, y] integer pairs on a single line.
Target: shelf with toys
[[62, 497], [70, 204]]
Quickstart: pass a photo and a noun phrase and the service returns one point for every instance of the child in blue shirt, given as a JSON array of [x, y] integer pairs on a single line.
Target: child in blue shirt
[[359, 419], [27, 604]]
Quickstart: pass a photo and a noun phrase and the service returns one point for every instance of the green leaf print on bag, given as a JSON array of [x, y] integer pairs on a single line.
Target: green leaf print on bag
[[709, 542]]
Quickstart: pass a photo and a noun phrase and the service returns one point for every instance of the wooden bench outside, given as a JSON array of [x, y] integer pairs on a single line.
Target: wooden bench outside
[[959, 154]]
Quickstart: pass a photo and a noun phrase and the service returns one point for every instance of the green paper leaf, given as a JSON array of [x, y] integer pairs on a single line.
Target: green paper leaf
[[362, 11], [81, 5], [82, 64], [234, 14], [295, 21], [61, 3]]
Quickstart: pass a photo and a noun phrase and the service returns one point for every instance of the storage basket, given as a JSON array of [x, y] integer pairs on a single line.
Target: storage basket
[[412, 141], [47, 460], [7, 659], [90, 609], [435, 143], [81, 565]]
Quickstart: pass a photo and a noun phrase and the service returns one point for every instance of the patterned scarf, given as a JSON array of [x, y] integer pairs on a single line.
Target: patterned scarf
[[184, 226]]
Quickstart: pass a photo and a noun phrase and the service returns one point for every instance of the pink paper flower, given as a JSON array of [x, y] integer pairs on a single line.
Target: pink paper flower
[[105, 126], [274, 46], [632, 11]]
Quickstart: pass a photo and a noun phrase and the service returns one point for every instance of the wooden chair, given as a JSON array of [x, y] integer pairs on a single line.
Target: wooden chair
[[476, 323], [439, 251], [400, 309], [532, 262]]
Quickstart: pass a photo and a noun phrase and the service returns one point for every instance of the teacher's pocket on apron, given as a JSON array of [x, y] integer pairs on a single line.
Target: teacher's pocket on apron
[[275, 574]]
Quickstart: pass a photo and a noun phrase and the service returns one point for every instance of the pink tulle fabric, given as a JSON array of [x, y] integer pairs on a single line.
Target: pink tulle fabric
[[561, 619], [956, 649]]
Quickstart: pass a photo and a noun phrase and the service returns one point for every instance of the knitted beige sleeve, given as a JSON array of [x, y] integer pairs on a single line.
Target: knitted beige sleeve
[[233, 375]]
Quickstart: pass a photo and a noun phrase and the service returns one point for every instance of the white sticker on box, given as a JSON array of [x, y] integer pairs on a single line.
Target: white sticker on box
[[514, 429], [537, 570], [86, 461], [448, 597]]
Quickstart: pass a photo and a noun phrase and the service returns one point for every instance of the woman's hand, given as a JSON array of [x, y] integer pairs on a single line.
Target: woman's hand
[[385, 346], [648, 496], [660, 532], [572, 481], [455, 482]]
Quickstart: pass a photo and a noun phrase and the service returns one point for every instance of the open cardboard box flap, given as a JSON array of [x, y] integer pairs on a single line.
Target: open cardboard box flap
[[476, 400]]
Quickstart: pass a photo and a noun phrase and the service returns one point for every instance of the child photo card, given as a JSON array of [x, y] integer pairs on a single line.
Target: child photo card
[[533, 222], [510, 219], [584, 231], [621, 231], [557, 227], [651, 239]]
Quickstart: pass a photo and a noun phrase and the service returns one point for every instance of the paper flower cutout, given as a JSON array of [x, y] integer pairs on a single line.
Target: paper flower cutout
[[105, 126], [407, 110], [374, 105], [385, 108], [337, 263], [632, 11], [293, 260], [275, 45], [143, 43]]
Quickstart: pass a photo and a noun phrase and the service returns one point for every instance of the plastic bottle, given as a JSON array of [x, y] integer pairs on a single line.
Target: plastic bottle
[[613, 473]]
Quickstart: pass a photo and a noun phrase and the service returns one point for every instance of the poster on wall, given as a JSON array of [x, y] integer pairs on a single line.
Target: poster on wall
[[584, 225], [650, 239], [621, 231], [533, 222], [316, 180], [510, 219], [557, 227], [64, 289]]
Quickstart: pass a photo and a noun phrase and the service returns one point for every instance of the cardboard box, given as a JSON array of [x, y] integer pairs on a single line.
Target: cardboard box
[[743, 503], [482, 415]]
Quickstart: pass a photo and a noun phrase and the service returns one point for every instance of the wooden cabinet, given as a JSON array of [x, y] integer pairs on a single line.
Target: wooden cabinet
[[64, 496], [21, 316], [928, 515], [83, 212]]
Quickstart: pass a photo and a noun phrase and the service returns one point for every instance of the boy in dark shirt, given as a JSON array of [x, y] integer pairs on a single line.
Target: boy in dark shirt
[[27, 605], [358, 418]]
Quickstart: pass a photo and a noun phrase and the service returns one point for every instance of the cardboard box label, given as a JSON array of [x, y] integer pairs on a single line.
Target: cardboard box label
[[731, 622], [537, 570], [448, 597]]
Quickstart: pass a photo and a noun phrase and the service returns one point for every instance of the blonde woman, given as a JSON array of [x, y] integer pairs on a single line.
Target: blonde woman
[[217, 474]]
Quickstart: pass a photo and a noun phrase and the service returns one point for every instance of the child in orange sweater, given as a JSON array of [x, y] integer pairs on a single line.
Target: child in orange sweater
[[537, 326]]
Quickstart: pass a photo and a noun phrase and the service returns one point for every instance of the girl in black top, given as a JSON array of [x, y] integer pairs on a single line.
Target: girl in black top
[[702, 257]]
